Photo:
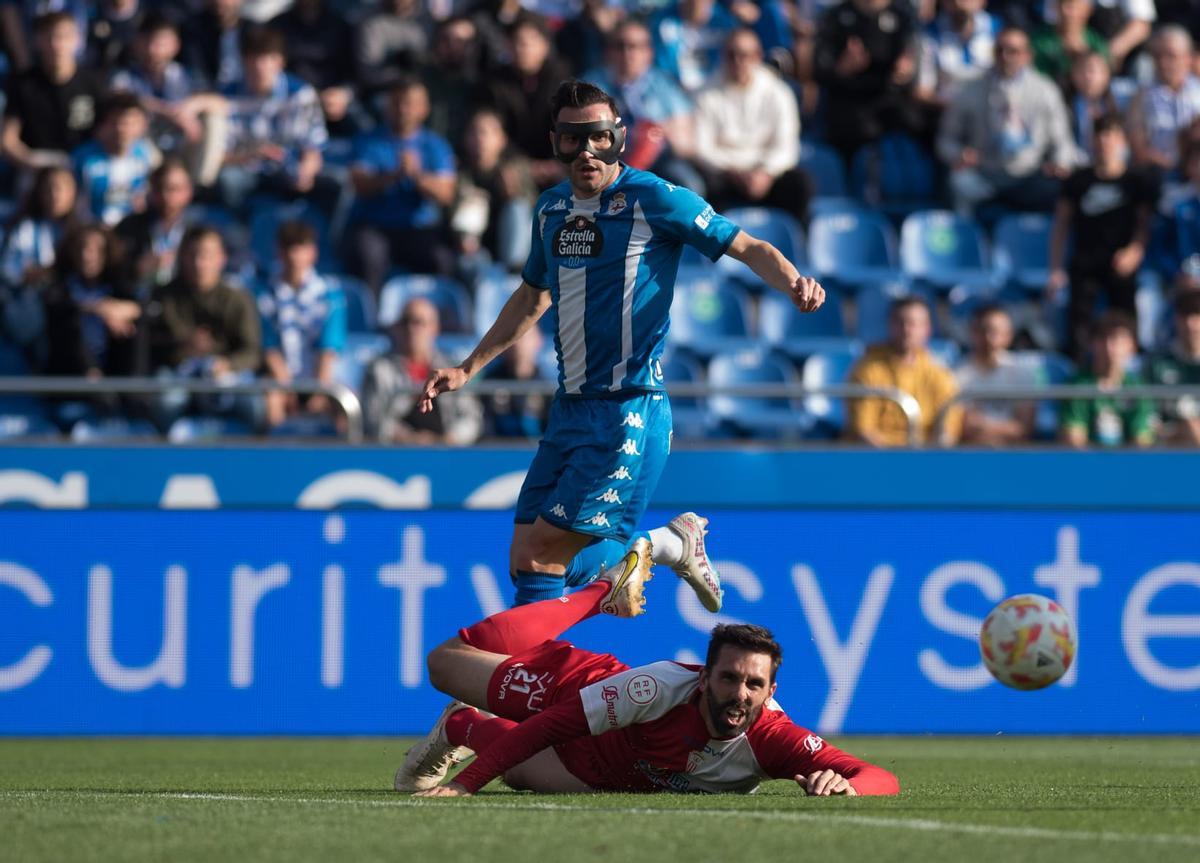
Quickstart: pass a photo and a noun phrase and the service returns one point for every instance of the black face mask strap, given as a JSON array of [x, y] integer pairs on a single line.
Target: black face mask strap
[[583, 132]]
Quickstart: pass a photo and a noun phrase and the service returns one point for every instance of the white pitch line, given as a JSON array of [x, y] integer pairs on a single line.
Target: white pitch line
[[926, 825]]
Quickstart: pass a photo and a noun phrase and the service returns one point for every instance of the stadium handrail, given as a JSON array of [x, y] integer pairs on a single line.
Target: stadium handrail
[[351, 406], [345, 397], [1061, 393]]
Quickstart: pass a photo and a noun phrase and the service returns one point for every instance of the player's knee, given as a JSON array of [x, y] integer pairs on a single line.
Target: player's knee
[[440, 665]]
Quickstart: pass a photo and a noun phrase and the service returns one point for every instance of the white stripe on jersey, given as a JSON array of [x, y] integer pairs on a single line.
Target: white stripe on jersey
[[639, 236], [572, 308]]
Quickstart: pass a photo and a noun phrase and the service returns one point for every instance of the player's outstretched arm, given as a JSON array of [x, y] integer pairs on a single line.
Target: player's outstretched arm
[[787, 751], [523, 309], [769, 264]]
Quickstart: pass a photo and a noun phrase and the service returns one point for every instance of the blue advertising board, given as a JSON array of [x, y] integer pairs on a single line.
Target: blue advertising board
[[289, 621]]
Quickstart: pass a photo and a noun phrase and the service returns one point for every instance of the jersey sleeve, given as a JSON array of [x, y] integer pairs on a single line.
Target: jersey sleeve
[[685, 216], [535, 271], [785, 750], [640, 694]]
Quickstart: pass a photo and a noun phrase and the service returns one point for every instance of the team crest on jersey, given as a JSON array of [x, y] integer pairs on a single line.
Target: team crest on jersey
[[814, 744], [642, 689], [616, 203], [578, 238]]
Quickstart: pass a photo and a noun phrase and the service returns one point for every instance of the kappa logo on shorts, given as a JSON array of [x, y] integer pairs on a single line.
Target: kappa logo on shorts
[[610, 496], [621, 472], [642, 689], [599, 520], [578, 238], [629, 447], [814, 744], [633, 420], [558, 511]]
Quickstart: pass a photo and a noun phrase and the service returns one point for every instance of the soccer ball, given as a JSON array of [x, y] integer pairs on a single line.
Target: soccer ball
[[1027, 641]]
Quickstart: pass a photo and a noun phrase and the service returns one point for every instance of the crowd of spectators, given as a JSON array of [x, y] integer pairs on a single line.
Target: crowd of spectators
[[144, 142]]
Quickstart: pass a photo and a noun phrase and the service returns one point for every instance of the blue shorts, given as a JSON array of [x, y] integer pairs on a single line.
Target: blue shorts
[[598, 464]]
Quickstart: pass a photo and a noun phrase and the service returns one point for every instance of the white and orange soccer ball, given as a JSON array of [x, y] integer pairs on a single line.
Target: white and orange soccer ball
[[1027, 641]]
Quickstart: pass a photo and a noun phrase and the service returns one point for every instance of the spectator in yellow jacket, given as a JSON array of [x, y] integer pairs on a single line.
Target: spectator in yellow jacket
[[903, 362]]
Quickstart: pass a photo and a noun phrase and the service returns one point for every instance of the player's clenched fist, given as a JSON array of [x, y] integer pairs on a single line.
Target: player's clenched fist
[[441, 381], [822, 783], [807, 294]]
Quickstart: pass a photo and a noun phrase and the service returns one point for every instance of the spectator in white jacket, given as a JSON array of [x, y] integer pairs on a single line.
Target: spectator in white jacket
[[748, 133]]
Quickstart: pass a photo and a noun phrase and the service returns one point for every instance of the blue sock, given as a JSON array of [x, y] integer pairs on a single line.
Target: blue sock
[[593, 560], [536, 586]]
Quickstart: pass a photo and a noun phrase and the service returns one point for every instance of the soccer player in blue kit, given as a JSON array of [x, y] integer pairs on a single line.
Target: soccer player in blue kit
[[606, 248]]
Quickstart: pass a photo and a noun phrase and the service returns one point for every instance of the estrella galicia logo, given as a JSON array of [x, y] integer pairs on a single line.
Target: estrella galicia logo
[[578, 238]]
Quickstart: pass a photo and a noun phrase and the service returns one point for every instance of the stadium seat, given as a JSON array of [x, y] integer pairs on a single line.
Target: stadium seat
[[360, 303], [305, 426], [824, 168], [111, 429], [1021, 250], [206, 429], [708, 317], [851, 249], [690, 413], [827, 415], [872, 304], [1046, 369], [25, 424], [755, 416], [492, 291], [945, 351], [942, 250], [360, 349], [894, 174], [799, 334], [830, 206], [269, 214], [764, 223], [457, 346], [451, 298]]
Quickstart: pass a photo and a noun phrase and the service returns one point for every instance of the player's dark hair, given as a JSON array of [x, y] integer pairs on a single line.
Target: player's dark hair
[[984, 310], [1107, 123], [579, 94], [258, 41], [743, 636], [1187, 304], [117, 103], [405, 82], [903, 303], [196, 233], [296, 233], [531, 21], [45, 23], [156, 22], [169, 163], [1113, 321]]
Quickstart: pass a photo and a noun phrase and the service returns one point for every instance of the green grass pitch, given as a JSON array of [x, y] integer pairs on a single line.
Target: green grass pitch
[[964, 799]]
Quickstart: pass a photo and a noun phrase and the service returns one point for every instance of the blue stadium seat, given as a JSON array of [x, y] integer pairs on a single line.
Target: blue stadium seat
[[708, 317], [111, 429], [751, 415], [690, 413], [25, 424], [824, 168], [945, 351], [206, 429], [831, 206], [305, 426], [457, 346], [799, 334], [1046, 369], [360, 303], [492, 291], [450, 297], [872, 304], [268, 215], [777, 228], [853, 248], [895, 174], [943, 250], [1021, 250], [827, 415], [360, 349]]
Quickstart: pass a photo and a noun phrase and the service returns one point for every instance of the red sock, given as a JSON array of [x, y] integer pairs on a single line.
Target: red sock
[[472, 729], [525, 626]]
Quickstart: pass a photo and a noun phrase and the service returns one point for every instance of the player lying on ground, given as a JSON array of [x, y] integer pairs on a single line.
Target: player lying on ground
[[568, 720]]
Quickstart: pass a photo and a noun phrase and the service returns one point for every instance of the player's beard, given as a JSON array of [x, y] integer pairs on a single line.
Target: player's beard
[[720, 719]]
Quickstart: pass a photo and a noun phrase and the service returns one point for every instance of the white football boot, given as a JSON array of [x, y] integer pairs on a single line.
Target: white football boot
[[695, 567], [626, 596], [427, 763]]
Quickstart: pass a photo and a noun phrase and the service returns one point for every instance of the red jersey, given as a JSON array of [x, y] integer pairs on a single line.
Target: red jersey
[[640, 729]]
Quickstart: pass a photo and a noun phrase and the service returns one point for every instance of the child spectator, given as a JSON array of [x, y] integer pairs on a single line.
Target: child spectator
[[903, 362], [303, 319], [1105, 212], [114, 168], [51, 108], [1178, 366], [1109, 420], [404, 177], [990, 366], [390, 406], [152, 237], [1089, 97]]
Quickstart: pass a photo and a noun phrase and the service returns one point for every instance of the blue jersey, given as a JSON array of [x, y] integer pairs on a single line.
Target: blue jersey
[[114, 186], [610, 263]]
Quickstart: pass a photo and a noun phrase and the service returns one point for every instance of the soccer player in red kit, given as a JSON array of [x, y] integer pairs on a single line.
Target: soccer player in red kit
[[568, 720]]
